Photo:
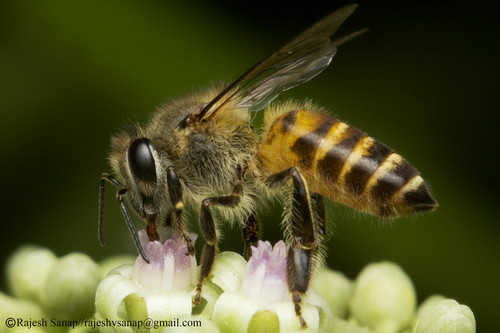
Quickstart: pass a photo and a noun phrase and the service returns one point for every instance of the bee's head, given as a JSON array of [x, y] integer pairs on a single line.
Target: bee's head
[[139, 165]]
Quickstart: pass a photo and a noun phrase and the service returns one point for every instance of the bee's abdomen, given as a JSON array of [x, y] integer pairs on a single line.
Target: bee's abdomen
[[344, 164]]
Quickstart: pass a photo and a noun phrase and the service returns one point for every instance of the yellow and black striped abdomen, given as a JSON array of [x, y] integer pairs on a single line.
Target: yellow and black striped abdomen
[[343, 163]]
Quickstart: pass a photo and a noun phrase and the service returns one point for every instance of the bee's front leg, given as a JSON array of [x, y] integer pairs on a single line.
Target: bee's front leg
[[306, 226], [175, 193], [208, 230]]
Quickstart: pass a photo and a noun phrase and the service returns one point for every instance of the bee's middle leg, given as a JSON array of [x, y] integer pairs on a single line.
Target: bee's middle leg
[[251, 235], [208, 230]]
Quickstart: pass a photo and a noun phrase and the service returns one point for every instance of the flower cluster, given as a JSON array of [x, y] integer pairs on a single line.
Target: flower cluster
[[238, 296], [44, 286]]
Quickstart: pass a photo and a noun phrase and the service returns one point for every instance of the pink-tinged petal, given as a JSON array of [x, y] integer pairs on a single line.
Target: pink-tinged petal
[[265, 276], [254, 261], [264, 246], [252, 282], [170, 267], [183, 280], [151, 274], [280, 249], [274, 289], [143, 238]]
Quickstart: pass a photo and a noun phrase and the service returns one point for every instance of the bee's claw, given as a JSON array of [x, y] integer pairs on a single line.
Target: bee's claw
[[197, 297]]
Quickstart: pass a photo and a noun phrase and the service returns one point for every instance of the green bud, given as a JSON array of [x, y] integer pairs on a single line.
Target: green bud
[[115, 261], [426, 305], [228, 270], [233, 312], [70, 287], [344, 326], [11, 307], [27, 271], [384, 298], [336, 289], [447, 316], [110, 295]]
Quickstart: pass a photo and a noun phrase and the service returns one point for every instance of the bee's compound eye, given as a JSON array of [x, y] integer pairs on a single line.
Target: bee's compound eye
[[141, 160]]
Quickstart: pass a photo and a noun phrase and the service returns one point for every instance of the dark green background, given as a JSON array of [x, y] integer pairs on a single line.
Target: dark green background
[[424, 80]]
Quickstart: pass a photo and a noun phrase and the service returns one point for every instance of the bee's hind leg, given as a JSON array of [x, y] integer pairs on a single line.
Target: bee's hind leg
[[208, 230], [318, 209], [306, 227]]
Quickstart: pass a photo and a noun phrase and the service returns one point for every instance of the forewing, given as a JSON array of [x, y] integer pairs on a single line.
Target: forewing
[[298, 61]]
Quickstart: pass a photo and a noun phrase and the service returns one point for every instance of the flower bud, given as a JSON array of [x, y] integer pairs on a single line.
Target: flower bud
[[447, 316], [70, 287], [228, 270], [344, 326], [336, 289], [384, 298], [115, 261], [11, 307], [426, 305], [27, 271]]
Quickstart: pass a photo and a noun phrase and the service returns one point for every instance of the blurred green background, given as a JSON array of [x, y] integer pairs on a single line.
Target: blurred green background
[[424, 80]]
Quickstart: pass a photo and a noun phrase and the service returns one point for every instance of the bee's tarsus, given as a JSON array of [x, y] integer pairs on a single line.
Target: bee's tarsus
[[197, 297], [298, 310]]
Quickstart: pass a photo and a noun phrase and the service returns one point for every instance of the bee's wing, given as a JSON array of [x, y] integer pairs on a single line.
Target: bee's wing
[[295, 63]]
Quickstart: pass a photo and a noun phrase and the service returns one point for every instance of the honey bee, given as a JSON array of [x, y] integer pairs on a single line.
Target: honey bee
[[202, 151]]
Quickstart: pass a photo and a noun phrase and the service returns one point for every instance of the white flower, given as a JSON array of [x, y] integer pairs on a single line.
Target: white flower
[[263, 300], [161, 290]]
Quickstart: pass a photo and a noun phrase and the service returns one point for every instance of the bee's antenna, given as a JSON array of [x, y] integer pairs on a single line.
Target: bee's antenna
[[119, 196]]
